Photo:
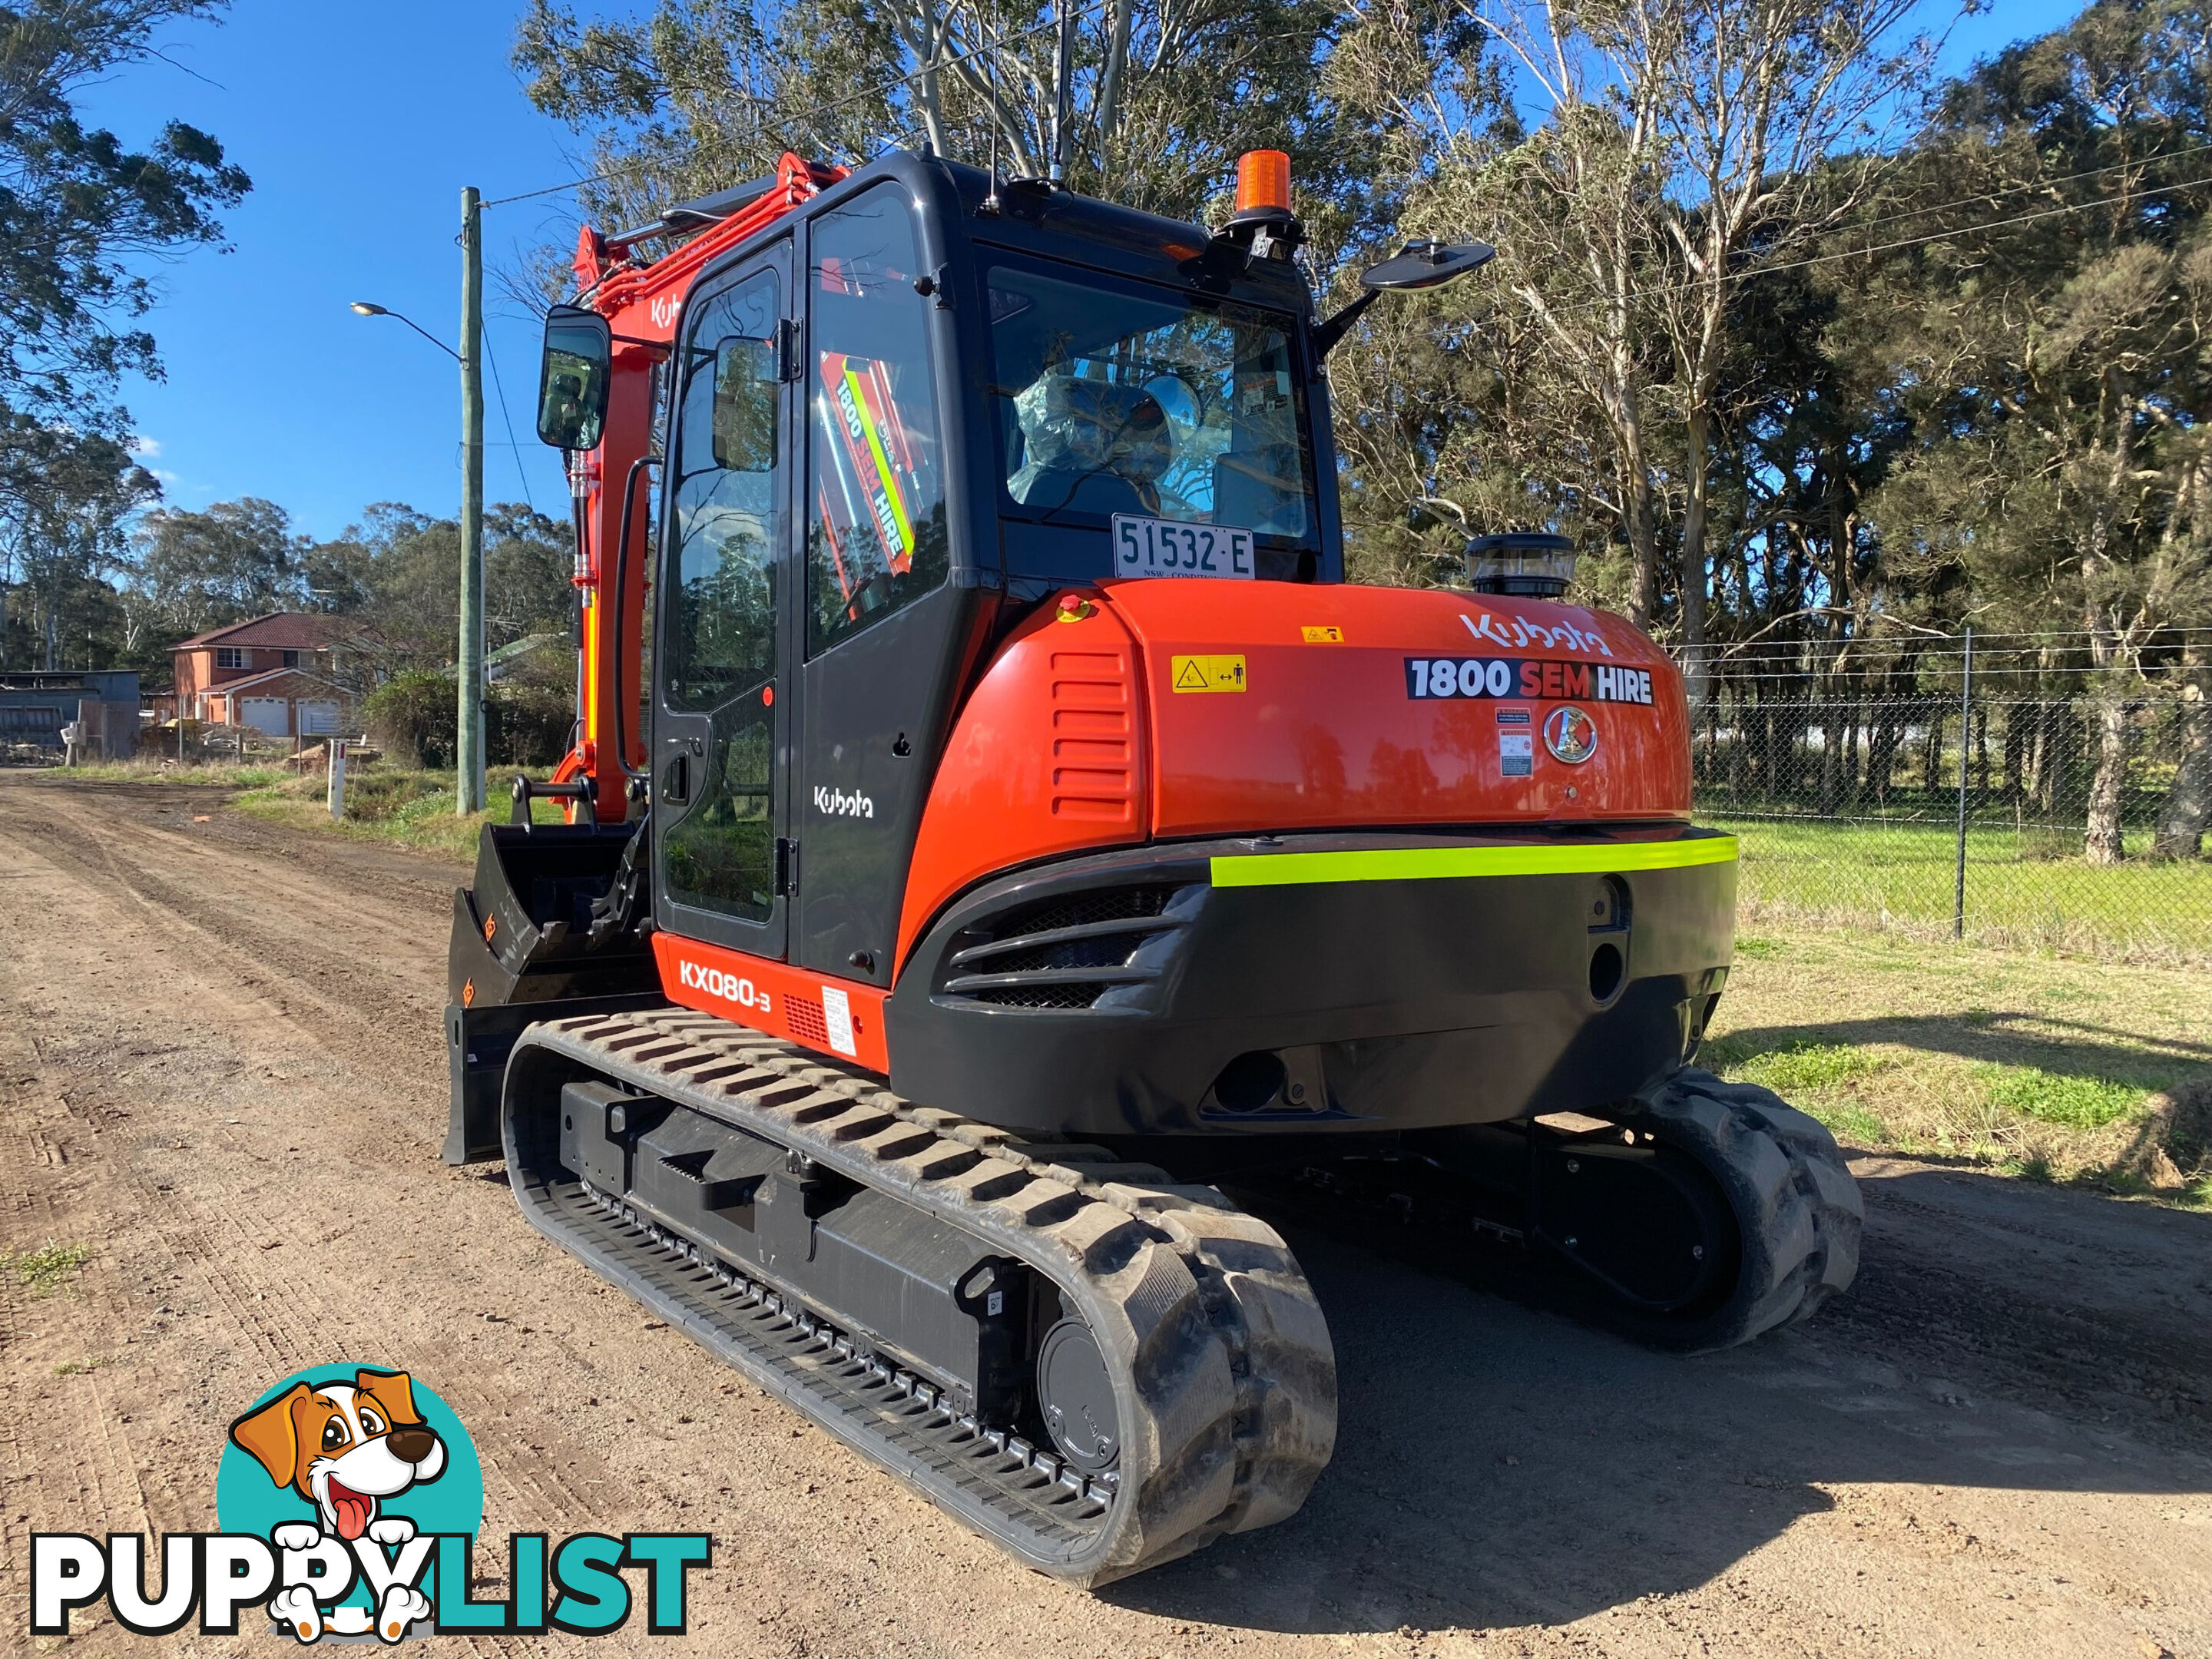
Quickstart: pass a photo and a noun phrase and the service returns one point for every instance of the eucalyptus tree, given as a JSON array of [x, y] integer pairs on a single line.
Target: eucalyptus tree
[[1636, 162], [80, 211], [2057, 356], [1161, 95]]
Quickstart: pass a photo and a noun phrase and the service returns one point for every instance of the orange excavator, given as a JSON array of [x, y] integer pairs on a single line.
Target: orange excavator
[[997, 831]]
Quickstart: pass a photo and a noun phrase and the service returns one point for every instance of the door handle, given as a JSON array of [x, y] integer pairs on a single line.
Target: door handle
[[676, 781]]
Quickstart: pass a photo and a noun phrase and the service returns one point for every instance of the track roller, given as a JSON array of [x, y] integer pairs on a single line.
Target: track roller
[[1096, 1368]]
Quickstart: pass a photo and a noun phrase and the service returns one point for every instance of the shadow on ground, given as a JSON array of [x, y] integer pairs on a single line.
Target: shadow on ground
[[2064, 1047], [1500, 1465]]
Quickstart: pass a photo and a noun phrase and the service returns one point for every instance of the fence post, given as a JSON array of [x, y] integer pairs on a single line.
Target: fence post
[[336, 752], [1966, 747]]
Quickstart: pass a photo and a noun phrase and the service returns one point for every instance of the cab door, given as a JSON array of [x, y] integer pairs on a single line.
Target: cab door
[[722, 712]]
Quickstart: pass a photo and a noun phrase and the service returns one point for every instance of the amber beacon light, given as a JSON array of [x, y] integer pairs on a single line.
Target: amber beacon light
[[1263, 183]]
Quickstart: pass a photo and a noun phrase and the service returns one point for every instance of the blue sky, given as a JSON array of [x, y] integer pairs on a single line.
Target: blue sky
[[360, 125]]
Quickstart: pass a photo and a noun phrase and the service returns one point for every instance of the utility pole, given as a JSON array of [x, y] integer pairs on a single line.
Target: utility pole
[[468, 748], [1061, 92], [1965, 748]]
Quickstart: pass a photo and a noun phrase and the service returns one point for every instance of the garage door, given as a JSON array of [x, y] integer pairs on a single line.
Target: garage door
[[318, 719], [268, 715]]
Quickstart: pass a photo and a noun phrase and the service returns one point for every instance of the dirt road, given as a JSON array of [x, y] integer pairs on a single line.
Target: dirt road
[[220, 1068]]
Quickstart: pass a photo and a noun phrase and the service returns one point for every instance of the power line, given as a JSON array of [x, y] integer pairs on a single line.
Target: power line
[[1811, 260], [1980, 637], [803, 117], [485, 335], [1981, 197]]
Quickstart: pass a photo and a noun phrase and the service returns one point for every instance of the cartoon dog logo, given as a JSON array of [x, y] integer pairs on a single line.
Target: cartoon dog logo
[[345, 1447]]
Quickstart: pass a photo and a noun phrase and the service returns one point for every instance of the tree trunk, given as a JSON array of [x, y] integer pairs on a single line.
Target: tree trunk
[[2188, 806], [1697, 673], [1643, 524], [1881, 753], [2042, 750], [2102, 841], [1831, 760]]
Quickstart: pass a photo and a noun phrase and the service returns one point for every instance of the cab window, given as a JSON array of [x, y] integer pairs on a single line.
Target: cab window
[[720, 593], [876, 532], [1117, 397]]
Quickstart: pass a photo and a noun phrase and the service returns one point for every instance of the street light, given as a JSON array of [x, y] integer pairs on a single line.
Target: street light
[[363, 308]]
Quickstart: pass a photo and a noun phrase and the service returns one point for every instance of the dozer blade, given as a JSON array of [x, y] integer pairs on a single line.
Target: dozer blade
[[1096, 1369]]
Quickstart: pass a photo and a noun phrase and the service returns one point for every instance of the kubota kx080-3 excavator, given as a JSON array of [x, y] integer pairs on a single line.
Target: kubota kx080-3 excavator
[[995, 821]]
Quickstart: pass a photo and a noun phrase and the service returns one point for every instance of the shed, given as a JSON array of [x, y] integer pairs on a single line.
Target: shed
[[35, 705]]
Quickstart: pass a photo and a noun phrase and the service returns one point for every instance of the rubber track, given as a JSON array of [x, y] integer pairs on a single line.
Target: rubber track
[[1794, 1195], [1227, 1380]]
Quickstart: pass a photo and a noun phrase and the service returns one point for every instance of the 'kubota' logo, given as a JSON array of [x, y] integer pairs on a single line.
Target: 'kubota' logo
[[728, 987], [836, 804]]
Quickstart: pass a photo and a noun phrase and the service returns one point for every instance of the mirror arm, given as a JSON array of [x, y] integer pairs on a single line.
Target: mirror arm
[[1326, 335]]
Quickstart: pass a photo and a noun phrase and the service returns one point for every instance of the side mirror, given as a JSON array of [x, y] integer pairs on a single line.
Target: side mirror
[[746, 389], [1426, 265], [1416, 265], [571, 382]]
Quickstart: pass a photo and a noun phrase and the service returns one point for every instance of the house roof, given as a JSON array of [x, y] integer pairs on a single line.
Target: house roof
[[285, 630], [262, 678]]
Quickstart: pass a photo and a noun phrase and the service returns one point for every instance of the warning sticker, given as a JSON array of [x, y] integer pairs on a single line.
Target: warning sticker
[[1516, 754], [1323, 633], [837, 1015], [1205, 673]]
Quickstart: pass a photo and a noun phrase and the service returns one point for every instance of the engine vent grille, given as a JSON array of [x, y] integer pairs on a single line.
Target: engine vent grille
[[1067, 952], [807, 1021], [1037, 996]]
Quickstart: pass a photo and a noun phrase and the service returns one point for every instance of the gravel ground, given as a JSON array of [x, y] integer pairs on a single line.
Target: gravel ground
[[220, 1067]]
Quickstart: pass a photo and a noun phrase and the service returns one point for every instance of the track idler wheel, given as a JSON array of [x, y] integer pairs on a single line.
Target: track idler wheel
[[1731, 1215], [1075, 1394]]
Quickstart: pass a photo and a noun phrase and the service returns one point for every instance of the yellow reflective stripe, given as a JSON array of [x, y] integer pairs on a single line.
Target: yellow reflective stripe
[[1436, 863], [885, 471]]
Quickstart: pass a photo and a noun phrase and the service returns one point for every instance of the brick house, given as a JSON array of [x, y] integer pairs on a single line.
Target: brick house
[[277, 674]]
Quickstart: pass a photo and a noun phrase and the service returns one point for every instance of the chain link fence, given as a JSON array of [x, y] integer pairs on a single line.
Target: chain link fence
[[1995, 793]]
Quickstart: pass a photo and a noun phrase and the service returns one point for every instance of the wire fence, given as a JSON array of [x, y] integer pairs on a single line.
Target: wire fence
[[2003, 793]]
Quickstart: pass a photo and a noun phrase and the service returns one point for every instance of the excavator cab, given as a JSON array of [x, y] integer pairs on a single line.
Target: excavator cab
[[994, 812]]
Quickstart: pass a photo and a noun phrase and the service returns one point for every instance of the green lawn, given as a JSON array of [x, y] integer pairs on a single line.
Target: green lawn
[[2025, 890], [2095, 1072]]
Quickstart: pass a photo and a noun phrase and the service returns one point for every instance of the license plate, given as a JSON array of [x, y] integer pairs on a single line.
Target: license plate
[[1162, 547]]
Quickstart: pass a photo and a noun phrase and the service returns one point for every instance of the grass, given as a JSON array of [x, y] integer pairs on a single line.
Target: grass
[[78, 1367], [397, 805], [2044, 1066], [1805, 1066], [219, 774], [48, 1268], [2024, 889], [2074, 1103]]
